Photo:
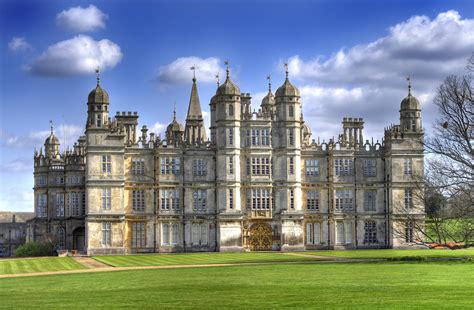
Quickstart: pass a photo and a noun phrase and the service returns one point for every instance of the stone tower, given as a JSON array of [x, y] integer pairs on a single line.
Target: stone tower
[[287, 161]]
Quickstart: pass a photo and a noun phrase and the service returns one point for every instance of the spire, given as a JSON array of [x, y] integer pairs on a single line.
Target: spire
[[52, 127], [286, 71], [194, 131], [194, 109], [97, 71], [269, 78], [409, 85], [217, 78], [174, 112]]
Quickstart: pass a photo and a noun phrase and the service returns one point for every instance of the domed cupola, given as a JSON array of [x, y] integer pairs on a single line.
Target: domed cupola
[[287, 89], [268, 102], [175, 130], [51, 145], [98, 95], [410, 113], [228, 88], [98, 106]]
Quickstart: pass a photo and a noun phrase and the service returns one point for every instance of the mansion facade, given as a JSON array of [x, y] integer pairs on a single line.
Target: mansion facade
[[257, 182]]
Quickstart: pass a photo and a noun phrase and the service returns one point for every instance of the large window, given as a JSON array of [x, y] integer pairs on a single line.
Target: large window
[[170, 199], [169, 233], [292, 199], [258, 166], [106, 198], [343, 232], [292, 165], [312, 200], [231, 165], [170, 165], [408, 166], [199, 233], [370, 232], [138, 200], [259, 199], [106, 164], [106, 233], [60, 204], [61, 238], [258, 137], [291, 111], [408, 198], [231, 198], [312, 167], [291, 137], [73, 200], [369, 167], [344, 167], [138, 166], [41, 201], [370, 200], [199, 167], [199, 200], [231, 136], [138, 234], [344, 200], [313, 233]]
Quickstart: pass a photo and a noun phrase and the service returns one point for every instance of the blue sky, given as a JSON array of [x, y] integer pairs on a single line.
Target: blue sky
[[349, 58]]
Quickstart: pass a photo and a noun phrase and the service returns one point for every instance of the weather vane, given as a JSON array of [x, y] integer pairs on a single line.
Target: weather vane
[[51, 124], [194, 68], [409, 84], [227, 67], [97, 71], [217, 78], [269, 78], [286, 69]]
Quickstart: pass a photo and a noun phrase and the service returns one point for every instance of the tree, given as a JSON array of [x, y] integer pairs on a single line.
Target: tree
[[452, 162]]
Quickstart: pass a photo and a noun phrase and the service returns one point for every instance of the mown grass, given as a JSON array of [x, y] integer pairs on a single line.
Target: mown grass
[[362, 285], [41, 264], [389, 253], [197, 259]]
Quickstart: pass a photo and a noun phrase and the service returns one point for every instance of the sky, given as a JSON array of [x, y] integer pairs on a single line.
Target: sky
[[348, 58]]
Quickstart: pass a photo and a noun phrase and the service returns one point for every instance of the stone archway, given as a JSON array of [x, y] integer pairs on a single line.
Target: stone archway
[[78, 239], [260, 237]]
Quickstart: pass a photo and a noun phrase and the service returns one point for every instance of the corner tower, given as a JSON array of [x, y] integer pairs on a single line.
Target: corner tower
[[286, 135]]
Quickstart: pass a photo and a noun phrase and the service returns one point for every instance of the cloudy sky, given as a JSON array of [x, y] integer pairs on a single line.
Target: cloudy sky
[[348, 58]]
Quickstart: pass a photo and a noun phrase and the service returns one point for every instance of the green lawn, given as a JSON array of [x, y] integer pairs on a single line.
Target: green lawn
[[396, 253], [42, 264], [363, 285], [197, 259]]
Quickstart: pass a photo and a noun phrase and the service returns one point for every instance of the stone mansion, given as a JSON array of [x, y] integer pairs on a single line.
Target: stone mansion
[[255, 180]]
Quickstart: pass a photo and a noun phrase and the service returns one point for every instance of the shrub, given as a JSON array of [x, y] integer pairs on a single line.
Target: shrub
[[31, 249]]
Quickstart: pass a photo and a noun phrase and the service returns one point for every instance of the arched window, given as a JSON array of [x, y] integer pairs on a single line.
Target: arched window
[[61, 238], [291, 112], [231, 110]]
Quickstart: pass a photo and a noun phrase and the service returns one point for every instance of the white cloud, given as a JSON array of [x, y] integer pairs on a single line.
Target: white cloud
[[79, 55], [368, 80], [18, 165], [179, 72], [19, 44], [158, 128], [78, 19], [67, 134]]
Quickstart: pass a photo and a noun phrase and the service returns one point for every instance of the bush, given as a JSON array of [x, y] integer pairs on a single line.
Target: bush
[[31, 249]]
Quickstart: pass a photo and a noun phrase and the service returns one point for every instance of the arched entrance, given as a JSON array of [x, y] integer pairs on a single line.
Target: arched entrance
[[78, 239], [260, 237]]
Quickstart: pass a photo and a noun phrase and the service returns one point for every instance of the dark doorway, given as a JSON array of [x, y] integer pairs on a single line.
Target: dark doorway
[[79, 238]]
